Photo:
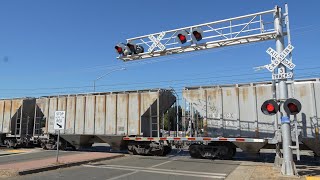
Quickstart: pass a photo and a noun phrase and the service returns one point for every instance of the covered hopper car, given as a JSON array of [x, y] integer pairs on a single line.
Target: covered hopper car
[[90, 118], [230, 116]]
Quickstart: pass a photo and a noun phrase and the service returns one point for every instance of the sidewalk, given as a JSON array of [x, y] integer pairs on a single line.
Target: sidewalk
[[34, 166], [260, 170]]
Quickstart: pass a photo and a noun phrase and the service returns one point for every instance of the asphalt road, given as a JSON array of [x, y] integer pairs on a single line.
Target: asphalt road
[[178, 166]]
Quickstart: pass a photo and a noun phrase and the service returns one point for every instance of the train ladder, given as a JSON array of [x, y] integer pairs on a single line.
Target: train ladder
[[37, 126], [18, 124], [154, 126]]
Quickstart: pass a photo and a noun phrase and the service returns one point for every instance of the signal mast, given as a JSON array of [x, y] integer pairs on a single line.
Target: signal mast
[[261, 26]]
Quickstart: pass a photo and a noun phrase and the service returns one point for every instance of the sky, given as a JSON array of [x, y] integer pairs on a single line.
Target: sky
[[61, 47]]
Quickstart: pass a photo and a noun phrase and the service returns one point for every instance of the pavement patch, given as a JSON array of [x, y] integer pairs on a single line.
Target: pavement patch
[[313, 178], [11, 151]]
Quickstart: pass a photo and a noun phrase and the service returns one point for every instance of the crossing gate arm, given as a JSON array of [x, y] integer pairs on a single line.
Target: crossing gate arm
[[199, 139]]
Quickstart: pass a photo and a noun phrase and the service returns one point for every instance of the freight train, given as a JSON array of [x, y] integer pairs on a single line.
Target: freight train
[[230, 116]]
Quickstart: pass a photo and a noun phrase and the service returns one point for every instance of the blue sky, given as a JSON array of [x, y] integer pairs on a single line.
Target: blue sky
[[60, 47]]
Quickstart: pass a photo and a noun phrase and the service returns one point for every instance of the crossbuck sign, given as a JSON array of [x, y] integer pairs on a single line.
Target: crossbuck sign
[[156, 42], [280, 59]]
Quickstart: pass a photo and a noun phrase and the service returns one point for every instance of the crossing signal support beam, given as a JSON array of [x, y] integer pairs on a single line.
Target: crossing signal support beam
[[233, 31]]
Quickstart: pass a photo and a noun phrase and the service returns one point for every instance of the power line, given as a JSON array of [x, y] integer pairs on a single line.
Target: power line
[[175, 86], [158, 82]]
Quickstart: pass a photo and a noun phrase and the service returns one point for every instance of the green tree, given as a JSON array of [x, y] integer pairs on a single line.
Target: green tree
[[170, 119]]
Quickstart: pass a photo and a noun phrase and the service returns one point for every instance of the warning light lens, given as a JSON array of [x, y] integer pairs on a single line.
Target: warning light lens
[[270, 107], [119, 49], [292, 107], [182, 38], [197, 35]]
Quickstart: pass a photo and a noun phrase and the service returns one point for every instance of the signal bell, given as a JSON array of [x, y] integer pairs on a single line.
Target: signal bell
[[292, 106], [270, 107]]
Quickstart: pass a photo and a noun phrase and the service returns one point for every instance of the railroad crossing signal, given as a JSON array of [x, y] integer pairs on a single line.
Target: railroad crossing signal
[[196, 34], [270, 107], [182, 36], [291, 106], [122, 49], [128, 49]]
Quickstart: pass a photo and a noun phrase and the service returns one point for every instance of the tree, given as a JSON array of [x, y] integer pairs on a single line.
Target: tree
[[170, 119]]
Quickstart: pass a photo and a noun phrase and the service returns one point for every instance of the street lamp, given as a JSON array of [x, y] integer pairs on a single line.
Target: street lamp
[[94, 82]]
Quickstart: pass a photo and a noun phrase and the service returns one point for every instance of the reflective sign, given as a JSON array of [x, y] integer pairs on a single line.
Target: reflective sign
[[156, 42], [59, 119], [280, 58], [282, 76]]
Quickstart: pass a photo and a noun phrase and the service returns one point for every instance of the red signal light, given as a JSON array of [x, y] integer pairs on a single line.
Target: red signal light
[[119, 49], [197, 35], [292, 106], [182, 38], [270, 107]]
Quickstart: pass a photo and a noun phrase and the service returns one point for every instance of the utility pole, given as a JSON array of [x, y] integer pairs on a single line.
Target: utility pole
[[288, 166]]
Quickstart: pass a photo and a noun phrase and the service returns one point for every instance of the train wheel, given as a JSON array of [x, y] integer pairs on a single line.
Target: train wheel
[[131, 149], [231, 151], [8, 145], [194, 151], [43, 146], [167, 150]]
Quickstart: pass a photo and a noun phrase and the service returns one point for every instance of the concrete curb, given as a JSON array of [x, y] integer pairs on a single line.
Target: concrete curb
[[54, 167]]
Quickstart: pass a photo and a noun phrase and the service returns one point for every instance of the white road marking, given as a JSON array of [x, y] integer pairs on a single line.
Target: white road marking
[[123, 175], [128, 174], [160, 164], [169, 170], [160, 171]]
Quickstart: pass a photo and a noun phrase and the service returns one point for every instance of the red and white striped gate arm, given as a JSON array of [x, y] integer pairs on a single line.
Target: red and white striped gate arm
[[192, 139]]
